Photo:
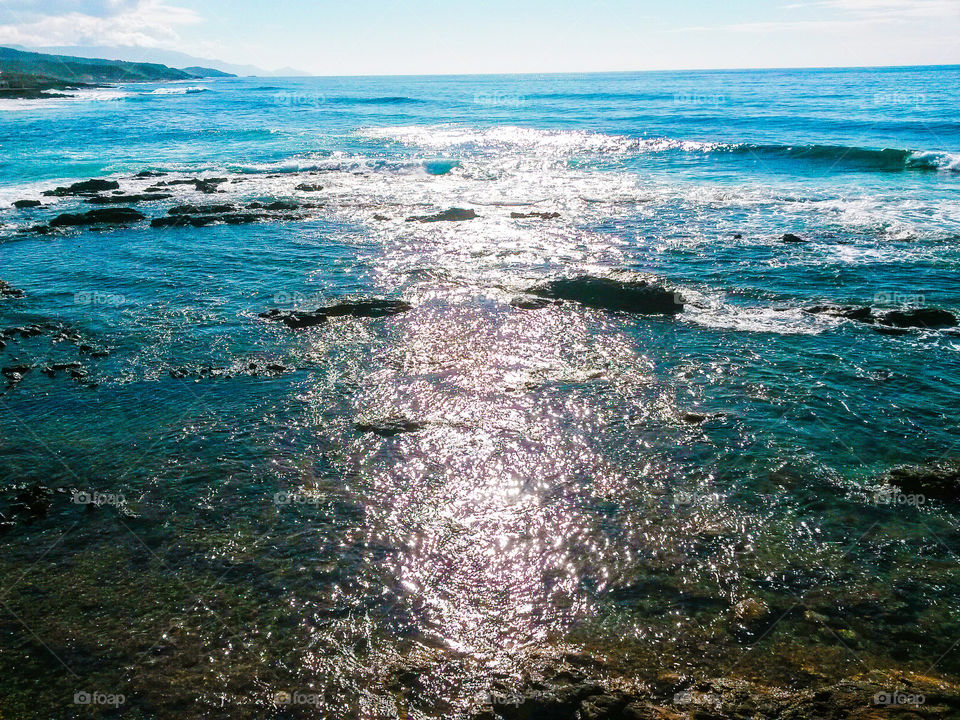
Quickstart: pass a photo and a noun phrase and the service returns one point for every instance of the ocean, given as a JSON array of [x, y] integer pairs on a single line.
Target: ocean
[[207, 513]]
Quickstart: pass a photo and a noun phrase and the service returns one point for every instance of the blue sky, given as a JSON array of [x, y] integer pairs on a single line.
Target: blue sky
[[356, 37]]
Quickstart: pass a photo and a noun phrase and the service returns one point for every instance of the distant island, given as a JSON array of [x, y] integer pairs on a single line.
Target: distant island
[[32, 75]]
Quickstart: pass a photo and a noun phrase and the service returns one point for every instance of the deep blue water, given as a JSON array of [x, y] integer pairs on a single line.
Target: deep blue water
[[552, 495]]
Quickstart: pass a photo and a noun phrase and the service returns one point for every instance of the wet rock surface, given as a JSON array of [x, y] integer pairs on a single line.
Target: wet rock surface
[[891, 322], [451, 215], [8, 291], [602, 293], [23, 204], [940, 480], [540, 215], [389, 427], [122, 199], [87, 187], [791, 238], [296, 319], [102, 216]]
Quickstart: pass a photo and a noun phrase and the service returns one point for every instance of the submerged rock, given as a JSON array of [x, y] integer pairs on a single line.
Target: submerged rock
[[278, 205], [307, 187], [21, 204], [8, 291], [149, 174], [201, 209], [637, 296], [525, 302], [295, 319], [389, 428], [103, 216], [451, 215], [32, 501], [15, 373], [791, 238], [240, 218], [87, 187], [541, 215], [919, 318], [894, 322], [940, 480], [121, 199]]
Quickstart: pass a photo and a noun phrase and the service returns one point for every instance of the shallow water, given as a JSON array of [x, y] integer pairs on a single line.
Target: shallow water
[[551, 500]]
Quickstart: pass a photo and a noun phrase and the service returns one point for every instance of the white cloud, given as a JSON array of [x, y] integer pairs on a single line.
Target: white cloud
[[91, 22]]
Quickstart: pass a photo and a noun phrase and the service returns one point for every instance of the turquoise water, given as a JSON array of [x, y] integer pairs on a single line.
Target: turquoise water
[[552, 496]]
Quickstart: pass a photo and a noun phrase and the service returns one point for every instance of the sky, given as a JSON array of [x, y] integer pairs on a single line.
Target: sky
[[386, 37]]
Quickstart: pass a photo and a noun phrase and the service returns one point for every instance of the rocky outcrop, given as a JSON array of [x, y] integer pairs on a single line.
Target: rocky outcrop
[[103, 216], [296, 319], [541, 215], [87, 187], [390, 427], [201, 209], [149, 174], [239, 218], [277, 205], [23, 204], [204, 185], [251, 369], [940, 480], [894, 321], [791, 238], [307, 187], [8, 291], [637, 296], [123, 199], [451, 215]]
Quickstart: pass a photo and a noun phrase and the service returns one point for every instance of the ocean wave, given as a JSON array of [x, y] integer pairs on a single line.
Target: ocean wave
[[388, 100], [884, 160], [180, 90]]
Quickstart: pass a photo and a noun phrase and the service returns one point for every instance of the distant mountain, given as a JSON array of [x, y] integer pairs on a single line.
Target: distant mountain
[[172, 58], [73, 69], [202, 72]]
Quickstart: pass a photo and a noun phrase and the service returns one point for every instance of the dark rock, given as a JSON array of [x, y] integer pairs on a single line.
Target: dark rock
[[541, 215], [23, 331], [15, 373], [307, 187], [227, 218], [451, 215], [609, 294], [40, 229], [554, 703], [531, 303], [8, 291], [101, 216], [791, 238], [356, 308], [738, 236], [120, 199], [895, 331], [694, 418], [389, 428], [204, 185], [940, 480], [87, 187], [201, 209], [21, 204], [380, 217], [33, 501], [52, 369], [149, 174], [919, 318], [860, 313], [278, 205], [178, 373]]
